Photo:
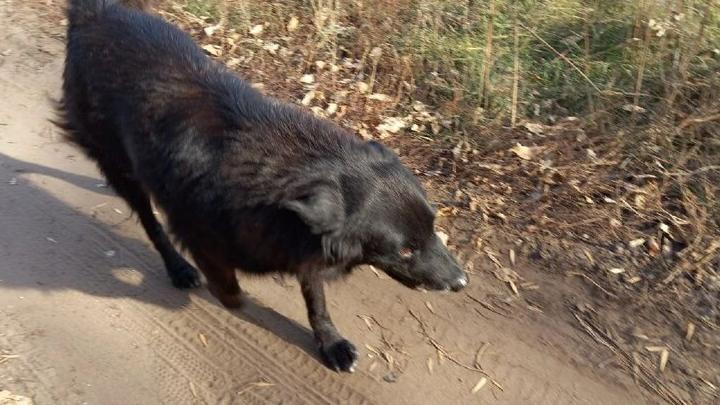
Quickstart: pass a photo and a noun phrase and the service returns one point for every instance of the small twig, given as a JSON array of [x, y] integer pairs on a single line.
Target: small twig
[[563, 57], [486, 306], [259, 384], [7, 357], [694, 172], [583, 222], [447, 355], [640, 372], [378, 323], [698, 120], [586, 277], [480, 353]]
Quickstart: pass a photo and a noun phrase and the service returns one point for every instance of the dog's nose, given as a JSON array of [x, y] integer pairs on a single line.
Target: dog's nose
[[460, 283]]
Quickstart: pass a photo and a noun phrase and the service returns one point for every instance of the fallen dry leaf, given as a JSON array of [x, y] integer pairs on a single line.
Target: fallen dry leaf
[[653, 247], [259, 384], [379, 97], [633, 108], [635, 243], [513, 287], [213, 50], [309, 96], [526, 152], [331, 109], [536, 129], [271, 47], [392, 125], [8, 398], [367, 321], [690, 331], [210, 30], [443, 237], [307, 79], [293, 24], [378, 273], [233, 62], [479, 385], [664, 356], [256, 30]]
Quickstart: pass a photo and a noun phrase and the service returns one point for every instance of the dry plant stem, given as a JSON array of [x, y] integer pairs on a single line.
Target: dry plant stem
[[641, 70], [486, 306], [222, 23], [684, 67], [641, 373], [487, 63], [586, 277], [516, 67], [563, 57], [586, 45], [447, 355], [687, 122]]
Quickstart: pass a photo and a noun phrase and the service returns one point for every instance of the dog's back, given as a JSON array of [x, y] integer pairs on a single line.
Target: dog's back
[[143, 99]]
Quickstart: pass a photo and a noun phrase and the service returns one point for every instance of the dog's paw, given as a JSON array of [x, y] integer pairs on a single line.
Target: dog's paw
[[340, 356], [183, 275]]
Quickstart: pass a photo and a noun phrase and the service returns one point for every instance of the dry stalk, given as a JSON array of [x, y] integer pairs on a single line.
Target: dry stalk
[[516, 67], [487, 62], [640, 371], [434, 343], [641, 70], [586, 277], [561, 56]]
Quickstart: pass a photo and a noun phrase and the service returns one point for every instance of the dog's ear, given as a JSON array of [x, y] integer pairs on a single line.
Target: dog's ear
[[320, 207]]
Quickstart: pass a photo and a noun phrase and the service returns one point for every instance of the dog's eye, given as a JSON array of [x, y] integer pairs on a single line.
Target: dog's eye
[[406, 253]]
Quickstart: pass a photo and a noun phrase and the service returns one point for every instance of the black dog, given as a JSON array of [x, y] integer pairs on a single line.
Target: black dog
[[247, 182]]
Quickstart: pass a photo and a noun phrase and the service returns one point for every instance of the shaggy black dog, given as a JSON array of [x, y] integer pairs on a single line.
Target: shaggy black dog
[[247, 182]]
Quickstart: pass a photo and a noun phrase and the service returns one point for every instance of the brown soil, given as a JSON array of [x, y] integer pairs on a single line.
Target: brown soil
[[88, 316]]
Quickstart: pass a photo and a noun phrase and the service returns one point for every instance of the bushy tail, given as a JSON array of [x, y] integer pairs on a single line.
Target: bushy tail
[[85, 11]]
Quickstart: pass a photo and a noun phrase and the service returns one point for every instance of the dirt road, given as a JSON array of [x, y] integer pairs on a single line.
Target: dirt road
[[88, 316]]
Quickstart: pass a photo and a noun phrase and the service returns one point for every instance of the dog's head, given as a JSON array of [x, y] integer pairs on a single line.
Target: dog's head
[[374, 211]]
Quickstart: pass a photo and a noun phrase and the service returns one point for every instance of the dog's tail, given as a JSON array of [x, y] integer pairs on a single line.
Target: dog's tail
[[85, 11]]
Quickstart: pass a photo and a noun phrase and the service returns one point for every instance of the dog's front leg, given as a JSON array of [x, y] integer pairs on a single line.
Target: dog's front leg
[[337, 351]]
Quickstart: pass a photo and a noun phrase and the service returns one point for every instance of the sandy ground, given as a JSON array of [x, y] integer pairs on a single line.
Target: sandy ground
[[88, 316]]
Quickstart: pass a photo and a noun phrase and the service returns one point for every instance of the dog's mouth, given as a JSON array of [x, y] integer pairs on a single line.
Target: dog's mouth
[[410, 282], [403, 279]]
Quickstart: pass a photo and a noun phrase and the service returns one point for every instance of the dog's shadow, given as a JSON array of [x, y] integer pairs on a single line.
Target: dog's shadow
[[21, 167], [52, 238], [255, 312]]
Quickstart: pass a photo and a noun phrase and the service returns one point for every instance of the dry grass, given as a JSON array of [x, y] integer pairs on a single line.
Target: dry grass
[[631, 185]]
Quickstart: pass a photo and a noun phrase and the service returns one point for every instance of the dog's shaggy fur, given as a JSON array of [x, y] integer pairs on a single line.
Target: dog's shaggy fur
[[247, 182]]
